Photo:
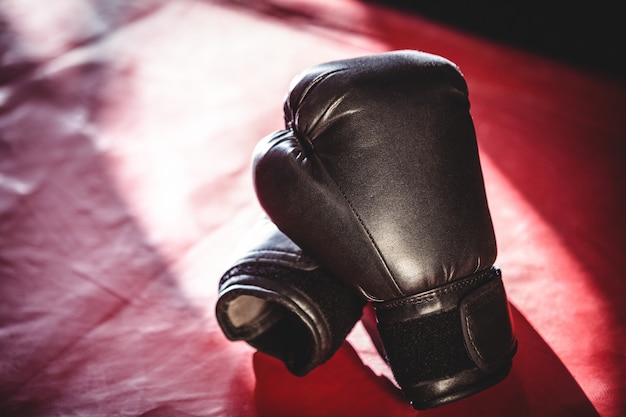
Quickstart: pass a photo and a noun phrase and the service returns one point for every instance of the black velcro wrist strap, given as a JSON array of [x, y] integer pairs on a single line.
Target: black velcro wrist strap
[[449, 342]]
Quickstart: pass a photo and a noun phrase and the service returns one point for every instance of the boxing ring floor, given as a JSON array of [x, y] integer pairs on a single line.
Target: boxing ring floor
[[126, 130]]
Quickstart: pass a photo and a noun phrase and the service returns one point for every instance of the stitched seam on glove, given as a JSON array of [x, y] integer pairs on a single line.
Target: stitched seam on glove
[[430, 295]]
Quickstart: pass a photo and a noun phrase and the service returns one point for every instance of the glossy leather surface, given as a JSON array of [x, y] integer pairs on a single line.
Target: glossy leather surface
[[377, 173]]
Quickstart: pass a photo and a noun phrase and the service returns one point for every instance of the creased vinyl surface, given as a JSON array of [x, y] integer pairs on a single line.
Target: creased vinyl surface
[[126, 131]]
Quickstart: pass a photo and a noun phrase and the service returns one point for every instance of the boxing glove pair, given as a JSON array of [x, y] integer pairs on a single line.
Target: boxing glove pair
[[377, 177]]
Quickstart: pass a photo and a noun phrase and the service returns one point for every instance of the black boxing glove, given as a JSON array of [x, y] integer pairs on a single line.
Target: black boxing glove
[[377, 176], [283, 303]]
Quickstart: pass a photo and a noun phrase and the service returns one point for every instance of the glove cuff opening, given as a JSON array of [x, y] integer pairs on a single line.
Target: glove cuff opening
[[299, 317]]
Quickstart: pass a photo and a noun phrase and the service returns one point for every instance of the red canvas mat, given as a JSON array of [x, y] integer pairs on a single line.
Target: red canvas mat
[[125, 142]]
